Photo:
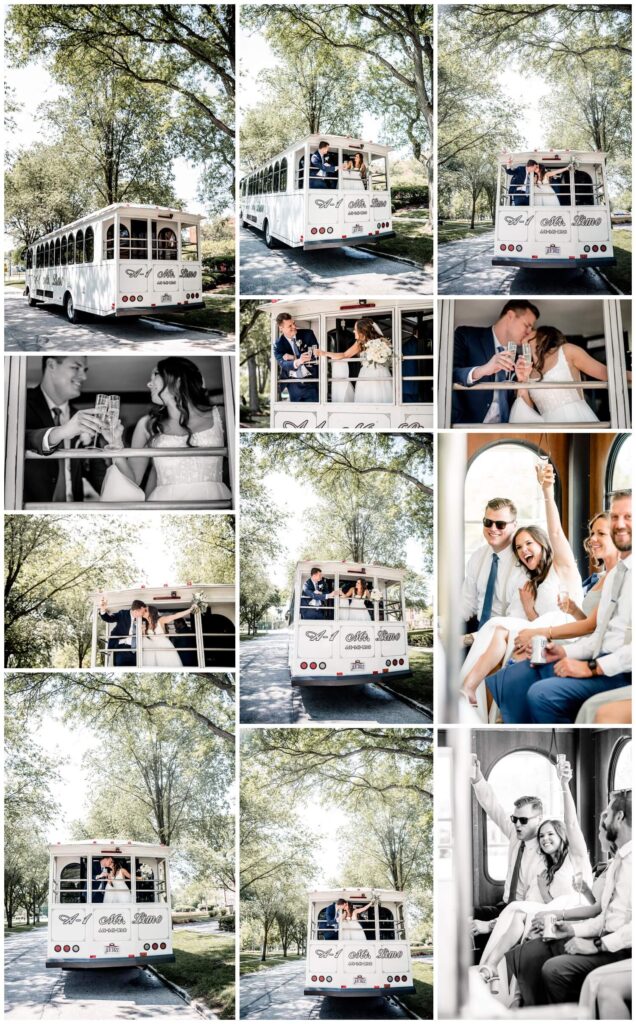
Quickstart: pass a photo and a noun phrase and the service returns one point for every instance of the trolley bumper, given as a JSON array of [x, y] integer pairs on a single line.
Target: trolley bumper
[[516, 261], [365, 677], [118, 961], [353, 993], [174, 307], [333, 243]]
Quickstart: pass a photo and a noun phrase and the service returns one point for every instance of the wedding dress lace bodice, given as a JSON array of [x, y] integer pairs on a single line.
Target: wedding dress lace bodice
[[192, 470], [551, 400]]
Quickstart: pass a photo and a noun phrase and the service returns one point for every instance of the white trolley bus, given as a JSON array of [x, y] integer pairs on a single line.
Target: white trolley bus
[[334, 643], [292, 201], [575, 230], [124, 260], [408, 326], [376, 963], [205, 639], [93, 923]]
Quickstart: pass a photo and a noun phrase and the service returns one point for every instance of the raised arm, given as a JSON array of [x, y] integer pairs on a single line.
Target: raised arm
[[163, 620], [353, 350], [563, 558], [585, 363], [485, 795], [578, 847]]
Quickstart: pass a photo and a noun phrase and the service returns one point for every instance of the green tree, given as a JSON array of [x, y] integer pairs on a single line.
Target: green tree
[[204, 550], [255, 353]]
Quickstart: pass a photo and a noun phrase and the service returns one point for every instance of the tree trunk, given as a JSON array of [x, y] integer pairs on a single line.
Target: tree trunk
[[264, 947], [253, 402], [473, 209]]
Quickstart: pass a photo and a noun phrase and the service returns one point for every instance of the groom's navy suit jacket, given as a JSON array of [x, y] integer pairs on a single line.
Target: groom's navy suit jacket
[[124, 656], [297, 392], [310, 593], [517, 185], [327, 179], [40, 478], [474, 346]]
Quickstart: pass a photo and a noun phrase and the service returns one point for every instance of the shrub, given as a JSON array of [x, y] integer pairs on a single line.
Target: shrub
[[409, 195], [226, 923]]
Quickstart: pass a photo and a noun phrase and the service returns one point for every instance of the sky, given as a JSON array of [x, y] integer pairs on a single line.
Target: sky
[[298, 499], [69, 745], [532, 90]]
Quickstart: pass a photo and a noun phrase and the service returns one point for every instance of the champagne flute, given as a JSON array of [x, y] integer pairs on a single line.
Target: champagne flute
[[101, 405], [526, 349], [111, 418], [564, 596], [512, 350]]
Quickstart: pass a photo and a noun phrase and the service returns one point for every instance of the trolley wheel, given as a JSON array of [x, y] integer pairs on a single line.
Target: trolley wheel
[[30, 301], [69, 308], [270, 241]]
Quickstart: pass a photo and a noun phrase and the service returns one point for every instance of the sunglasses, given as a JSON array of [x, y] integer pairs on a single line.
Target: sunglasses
[[501, 524], [522, 821]]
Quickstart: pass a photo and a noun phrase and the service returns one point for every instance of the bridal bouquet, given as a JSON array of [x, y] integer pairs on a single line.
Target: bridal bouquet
[[375, 595], [199, 600], [378, 351]]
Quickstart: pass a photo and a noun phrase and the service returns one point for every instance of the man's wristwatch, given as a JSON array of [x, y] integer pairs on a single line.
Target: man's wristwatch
[[598, 942], [593, 666]]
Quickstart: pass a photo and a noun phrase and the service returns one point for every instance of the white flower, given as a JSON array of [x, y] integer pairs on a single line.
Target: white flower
[[199, 599], [376, 595], [377, 350]]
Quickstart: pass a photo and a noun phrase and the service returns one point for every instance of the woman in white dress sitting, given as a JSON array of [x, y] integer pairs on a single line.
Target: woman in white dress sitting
[[555, 360], [546, 566], [181, 417], [354, 173], [117, 879], [567, 871], [374, 384]]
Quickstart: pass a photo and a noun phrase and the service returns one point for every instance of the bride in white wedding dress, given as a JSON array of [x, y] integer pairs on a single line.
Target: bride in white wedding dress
[[181, 417], [374, 385], [353, 603], [543, 192], [555, 360]]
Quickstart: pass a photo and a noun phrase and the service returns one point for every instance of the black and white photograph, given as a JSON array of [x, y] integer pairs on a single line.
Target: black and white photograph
[[534, 871], [82, 433]]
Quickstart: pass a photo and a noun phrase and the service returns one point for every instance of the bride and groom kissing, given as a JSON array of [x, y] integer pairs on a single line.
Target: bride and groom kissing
[[491, 355], [181, 415], [158, 647]]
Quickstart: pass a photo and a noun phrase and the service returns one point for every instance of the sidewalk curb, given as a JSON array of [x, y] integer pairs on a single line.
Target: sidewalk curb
[[406, 1009], [422, 708], [609, 284], [390, 256], [197, 1005]]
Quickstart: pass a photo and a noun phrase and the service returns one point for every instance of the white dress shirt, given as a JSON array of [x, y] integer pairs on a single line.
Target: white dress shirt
[[617, 639], [494, 412], [476, 581], [65, 415], [614, 923], [532, 863]]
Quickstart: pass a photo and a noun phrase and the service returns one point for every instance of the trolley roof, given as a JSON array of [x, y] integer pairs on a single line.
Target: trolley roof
[[389, 895], [161, 212], [368, 569], [166, 593], [350, 307], [110, 846], [560, 156]]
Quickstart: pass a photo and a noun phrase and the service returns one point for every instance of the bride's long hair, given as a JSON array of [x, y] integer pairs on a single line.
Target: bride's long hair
[[546, 340], [153, 617], [552, 864], [538, 575], [183, 379], [368, 330]]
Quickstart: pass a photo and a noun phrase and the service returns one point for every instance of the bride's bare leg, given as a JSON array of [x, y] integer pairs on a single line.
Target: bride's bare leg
[[506, 934], [486, 662]]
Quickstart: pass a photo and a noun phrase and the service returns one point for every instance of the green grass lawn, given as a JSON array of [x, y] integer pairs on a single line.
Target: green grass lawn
[[451, 230], [621, 274], [421, 1002], [413, 240], [205, 969], [218, 314], [17, 928], [251, 961], [258, 422], [419, 686]]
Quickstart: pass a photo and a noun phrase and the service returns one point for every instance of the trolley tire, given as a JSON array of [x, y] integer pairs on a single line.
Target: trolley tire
[[69, 309], [29, 301], [270, 241]]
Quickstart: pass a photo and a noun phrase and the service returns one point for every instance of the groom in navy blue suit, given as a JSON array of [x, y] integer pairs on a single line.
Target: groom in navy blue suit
[[480, 354], [517, 183], [322, 173], [291, 352], [124, 656]]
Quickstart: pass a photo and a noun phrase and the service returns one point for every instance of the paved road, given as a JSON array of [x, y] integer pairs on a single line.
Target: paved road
[[284, 271], [45, 329], [268, 698], [464, 267], [277, 994], [34, 993]]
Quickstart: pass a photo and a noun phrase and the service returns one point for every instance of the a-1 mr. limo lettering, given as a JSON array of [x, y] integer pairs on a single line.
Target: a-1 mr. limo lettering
[[74, 918], [141, 918], [187, 273], [388, 954], [166, 275], [359, 954], [113, 919], [357, 204], [323, 635], [361, 637], [581, 221]]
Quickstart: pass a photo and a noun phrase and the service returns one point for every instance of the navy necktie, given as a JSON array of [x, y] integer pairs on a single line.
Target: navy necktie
[[486, 611], [516, 871]]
